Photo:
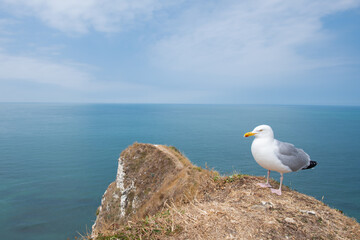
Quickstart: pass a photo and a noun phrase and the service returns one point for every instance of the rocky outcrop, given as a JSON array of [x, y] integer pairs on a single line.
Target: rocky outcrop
[[182, 201], [147, 177]]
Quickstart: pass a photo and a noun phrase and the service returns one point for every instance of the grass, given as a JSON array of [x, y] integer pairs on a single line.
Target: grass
[[205, 205], [213, 217], [198, 168], [340, 211], [151, 227], [175, 149], [228, 179], [181, 183]]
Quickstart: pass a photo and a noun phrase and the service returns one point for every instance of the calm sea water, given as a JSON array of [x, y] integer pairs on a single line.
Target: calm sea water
[[56, 160]]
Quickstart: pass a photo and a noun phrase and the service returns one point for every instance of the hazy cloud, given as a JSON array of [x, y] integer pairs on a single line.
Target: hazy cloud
[[43, 71], [203, 50], [248, 38], [5, 32], [66, 75], [80, 16]]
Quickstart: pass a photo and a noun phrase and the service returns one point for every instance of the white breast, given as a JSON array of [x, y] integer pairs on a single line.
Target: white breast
[[263, 153]]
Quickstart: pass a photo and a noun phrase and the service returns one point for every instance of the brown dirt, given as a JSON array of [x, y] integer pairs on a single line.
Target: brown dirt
[[199, 204], [241, 210], [153, 175]]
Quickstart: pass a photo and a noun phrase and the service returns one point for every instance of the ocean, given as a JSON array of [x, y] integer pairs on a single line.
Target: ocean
[[56, 160]]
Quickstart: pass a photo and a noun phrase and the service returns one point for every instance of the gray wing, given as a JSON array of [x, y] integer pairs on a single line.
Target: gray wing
[[289, 155]]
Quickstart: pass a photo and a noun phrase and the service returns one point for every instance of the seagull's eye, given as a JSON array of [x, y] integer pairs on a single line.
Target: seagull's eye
[[260, 130]]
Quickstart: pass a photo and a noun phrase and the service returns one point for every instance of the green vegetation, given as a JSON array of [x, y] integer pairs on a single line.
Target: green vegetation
[[175, 149], [198, 168], [234, 177], [339, 210], [228, 179]]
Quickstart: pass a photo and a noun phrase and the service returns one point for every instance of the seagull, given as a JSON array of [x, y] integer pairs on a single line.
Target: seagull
[[274, 155]]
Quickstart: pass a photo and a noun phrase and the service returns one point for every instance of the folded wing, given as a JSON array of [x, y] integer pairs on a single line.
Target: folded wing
[[295, 158]]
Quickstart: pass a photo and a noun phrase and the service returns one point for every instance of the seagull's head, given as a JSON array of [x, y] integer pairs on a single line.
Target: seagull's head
[[262, 131]]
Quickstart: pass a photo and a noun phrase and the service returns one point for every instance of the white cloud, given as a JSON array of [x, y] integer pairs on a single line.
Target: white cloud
[[63, 75], [242, 41], [43, 71], [22, 67], [80, 16], [248, 38], [5, 25]]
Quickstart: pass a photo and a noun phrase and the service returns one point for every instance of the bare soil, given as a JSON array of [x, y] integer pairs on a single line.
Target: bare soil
[[204, 205]]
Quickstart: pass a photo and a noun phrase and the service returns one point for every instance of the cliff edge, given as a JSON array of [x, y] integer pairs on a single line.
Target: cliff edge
[[159, 194], [147, 177]]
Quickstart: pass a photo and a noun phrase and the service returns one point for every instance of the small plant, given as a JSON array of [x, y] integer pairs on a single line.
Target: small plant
[[340, 211], [175, 149], [198, 169], [234, 177], [230, 179], [146, 221], [239, 175]]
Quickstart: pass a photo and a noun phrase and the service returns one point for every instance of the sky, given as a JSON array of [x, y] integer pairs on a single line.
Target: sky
[[184, 51]]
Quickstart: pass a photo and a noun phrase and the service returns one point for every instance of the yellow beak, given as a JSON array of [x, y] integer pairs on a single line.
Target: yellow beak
[[248, 134]]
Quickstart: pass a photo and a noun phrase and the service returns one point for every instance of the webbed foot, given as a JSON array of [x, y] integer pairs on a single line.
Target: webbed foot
[[276, 191], [264, 185]]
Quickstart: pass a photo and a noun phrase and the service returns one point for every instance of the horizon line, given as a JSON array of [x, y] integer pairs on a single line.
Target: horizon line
[[161, 103]]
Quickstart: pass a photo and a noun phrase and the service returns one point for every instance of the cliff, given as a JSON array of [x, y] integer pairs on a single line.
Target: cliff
[[147, 177], [159, 194]]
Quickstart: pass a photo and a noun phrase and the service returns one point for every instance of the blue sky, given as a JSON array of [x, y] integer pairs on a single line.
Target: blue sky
[[151, 51]]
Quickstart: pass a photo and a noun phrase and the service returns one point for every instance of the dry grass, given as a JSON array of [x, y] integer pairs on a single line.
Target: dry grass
[[235, 208], [238, 209], [154, 174], [194, 203]]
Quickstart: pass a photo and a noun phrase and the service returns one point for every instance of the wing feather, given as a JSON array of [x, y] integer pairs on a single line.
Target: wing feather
[[289, 155]]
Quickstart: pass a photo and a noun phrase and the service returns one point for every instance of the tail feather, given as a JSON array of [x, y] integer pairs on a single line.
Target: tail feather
[[311, 165]]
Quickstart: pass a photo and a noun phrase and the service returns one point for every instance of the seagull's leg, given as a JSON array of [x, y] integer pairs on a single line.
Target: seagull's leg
[[267, 181], [278, 191]]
